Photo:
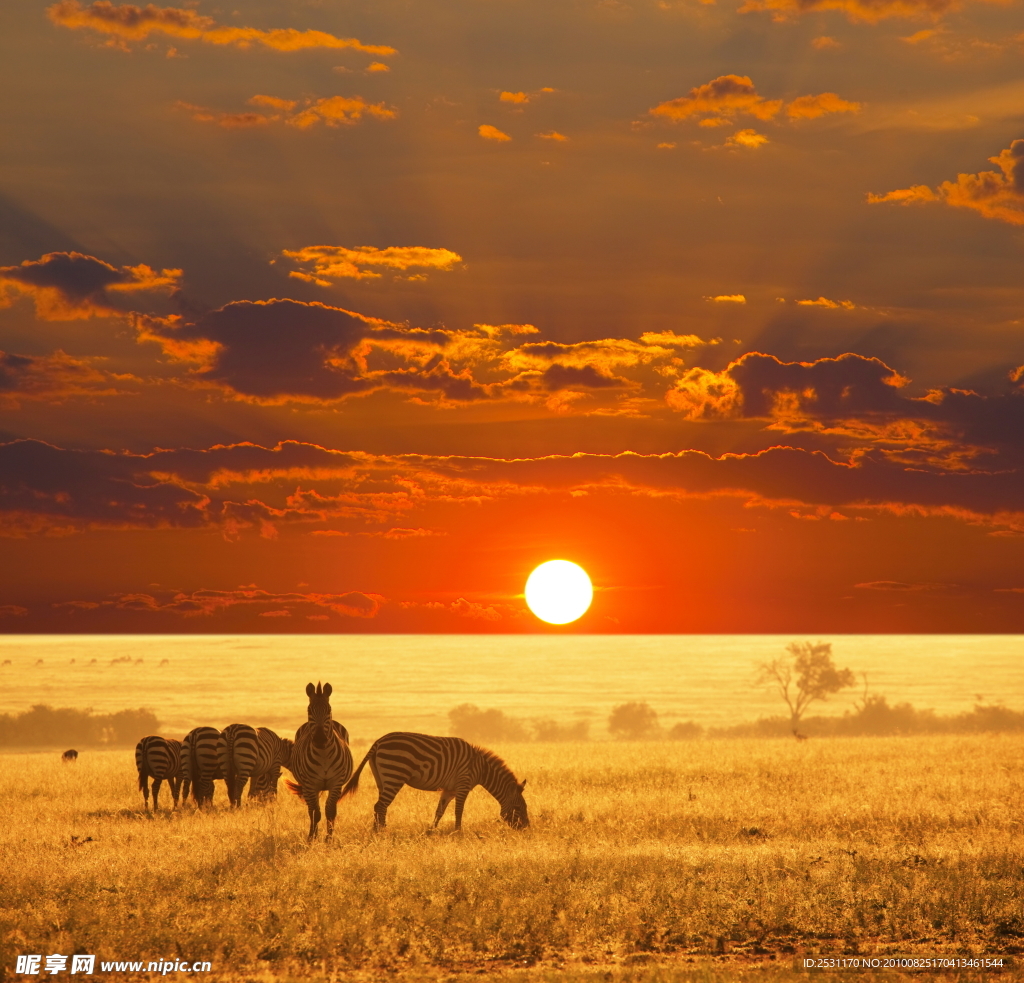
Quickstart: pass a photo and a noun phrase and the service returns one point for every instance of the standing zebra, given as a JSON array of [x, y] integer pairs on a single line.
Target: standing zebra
[[446, 764], [272, 754], [158, 758], [321, 760], [237, 750], [199, 764]]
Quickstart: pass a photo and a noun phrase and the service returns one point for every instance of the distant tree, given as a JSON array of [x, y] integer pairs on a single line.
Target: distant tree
[[471, 723], [552, 730], [633, 721], [685, 731], [806, 675]]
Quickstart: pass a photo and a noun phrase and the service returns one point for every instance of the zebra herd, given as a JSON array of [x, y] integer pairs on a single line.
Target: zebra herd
[[320, 761]]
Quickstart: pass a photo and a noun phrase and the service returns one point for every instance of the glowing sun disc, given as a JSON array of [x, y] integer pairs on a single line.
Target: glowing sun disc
[[559, 591]]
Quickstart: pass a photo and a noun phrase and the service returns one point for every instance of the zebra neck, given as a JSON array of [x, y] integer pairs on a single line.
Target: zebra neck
[[498, 781]]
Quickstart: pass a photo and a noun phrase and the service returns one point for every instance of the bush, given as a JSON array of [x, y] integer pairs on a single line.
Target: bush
[[552, 730], [45, 726], [471, 723], [633, 721], [686, 731]]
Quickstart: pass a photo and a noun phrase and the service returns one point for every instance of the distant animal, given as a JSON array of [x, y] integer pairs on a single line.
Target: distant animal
[[72, 662], [6, 662], [165, 662], [798, 735], [39, 662], [92, 662], [158, 758], [321, 759], [199, 764], [446, 764], [273, 754], [69, 757], [237, 751]]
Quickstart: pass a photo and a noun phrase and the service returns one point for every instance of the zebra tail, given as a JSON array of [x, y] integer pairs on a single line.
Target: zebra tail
[[294, 787], [143, 777], [352, 784]]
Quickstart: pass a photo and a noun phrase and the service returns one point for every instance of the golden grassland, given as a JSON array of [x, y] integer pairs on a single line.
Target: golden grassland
[[656, 861]]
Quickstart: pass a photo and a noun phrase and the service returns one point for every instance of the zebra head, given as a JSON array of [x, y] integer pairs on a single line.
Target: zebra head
[[513, 809], [320, 712]]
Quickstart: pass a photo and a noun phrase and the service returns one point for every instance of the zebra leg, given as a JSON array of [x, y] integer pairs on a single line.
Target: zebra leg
[[442, 805], [313, 804], [156, 792], [145, 792], [460, 803], [331, 810], [380, 810], [175, 784]]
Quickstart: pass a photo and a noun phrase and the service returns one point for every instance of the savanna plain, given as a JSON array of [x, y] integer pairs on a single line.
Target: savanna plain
[[645, 861]]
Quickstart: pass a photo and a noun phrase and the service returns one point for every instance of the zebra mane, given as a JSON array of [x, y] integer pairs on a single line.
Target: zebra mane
[[496, 760]]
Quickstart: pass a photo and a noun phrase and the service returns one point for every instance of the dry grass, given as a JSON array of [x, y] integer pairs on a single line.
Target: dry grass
[[648, 862]]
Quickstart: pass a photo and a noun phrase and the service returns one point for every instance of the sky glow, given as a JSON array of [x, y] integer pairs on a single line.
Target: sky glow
[[342, 317]]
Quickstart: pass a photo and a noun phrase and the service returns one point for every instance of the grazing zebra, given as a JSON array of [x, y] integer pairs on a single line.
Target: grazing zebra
[[273, 754], [158, 758], [69, 756], [199, 764], [446, 764], [321, 760], [236, 758]]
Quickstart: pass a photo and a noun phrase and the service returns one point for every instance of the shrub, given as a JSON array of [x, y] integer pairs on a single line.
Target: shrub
[[633, 721], [552, 730], [471, 723]]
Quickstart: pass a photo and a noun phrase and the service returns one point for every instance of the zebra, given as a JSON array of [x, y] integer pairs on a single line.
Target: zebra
[[446, 764], [199, 764], [158, 758], [69, 756], [236, 758], [272, 754], [321, 760]]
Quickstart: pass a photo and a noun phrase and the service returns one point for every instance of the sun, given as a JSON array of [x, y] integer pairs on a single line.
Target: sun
[[559, 591]]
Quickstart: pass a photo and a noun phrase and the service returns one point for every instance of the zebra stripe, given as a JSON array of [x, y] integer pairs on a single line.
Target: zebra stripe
[[199, 764], [321, 760], [272, 754], [236, 757], [446, 764], [158, 758]]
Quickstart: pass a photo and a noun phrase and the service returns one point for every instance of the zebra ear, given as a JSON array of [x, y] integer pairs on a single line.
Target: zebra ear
[[522, 785], [328, 689], [310, 691]]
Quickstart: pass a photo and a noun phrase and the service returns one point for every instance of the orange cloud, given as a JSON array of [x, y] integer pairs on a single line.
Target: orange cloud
[[73, 286], [327, 263], [338, 110], [865, 11], [514, 97], [332, 110], [994, 195], [811, 107], [747, 138], [728, 299], [128, 22], [824, 43], [52, 379], [723, 96], [825, 302], [489, 132], [553, 135]]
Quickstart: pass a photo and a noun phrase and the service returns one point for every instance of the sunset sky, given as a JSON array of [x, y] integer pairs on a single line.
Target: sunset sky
[[342, 315]]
